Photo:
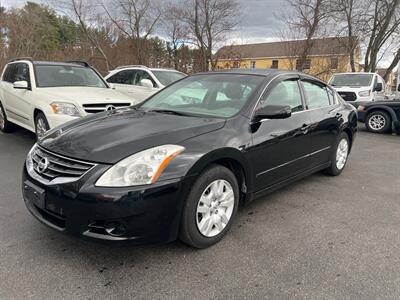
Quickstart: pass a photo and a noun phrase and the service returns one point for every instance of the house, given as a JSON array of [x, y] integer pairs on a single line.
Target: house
[[327, 56]]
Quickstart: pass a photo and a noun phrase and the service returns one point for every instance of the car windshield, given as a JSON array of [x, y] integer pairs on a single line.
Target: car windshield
[[215, 95], [356, 80], [168, 77], [65, 75]]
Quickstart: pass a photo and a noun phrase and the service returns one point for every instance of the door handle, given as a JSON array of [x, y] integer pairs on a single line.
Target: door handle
[[338, 115], [304, 129]]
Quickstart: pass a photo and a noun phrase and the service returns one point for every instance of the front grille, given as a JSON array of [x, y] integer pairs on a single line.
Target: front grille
[[100, 107], [348, 96], [57, 165]]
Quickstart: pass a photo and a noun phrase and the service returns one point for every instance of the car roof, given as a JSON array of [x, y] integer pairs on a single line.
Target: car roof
[[344, 73], [259, 72], [56, 63], [44, 62]]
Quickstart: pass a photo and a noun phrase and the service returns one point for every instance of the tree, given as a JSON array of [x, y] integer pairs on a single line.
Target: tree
[[209, 21], [136, 19], [393, 65], [175, 30], [85, 14], [349, 15], [383, 20], [306, 21]]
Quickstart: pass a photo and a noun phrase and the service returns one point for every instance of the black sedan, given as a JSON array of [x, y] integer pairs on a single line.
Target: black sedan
[[380, 116], [179, 164]]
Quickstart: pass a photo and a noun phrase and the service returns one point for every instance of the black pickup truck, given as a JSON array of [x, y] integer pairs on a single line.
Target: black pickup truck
[[380, 116]]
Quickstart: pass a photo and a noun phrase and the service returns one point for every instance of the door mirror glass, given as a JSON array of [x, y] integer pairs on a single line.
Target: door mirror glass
[[273, 112], [378, 87], [23, 85], [146, 83]]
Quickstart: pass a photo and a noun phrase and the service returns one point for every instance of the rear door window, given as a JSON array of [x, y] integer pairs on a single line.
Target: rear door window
[[285, 93], [123, 77], [316, 94]]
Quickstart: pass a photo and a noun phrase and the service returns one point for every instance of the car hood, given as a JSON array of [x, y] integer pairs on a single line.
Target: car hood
[[111, 136], [87, 95]]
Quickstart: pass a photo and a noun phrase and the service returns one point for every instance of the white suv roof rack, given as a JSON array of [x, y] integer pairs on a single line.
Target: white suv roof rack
[[130, 66]]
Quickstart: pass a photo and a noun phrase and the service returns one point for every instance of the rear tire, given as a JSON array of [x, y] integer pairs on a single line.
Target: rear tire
[[5, 125], [210, 208], [339, 156], [378, 122], [41, 125]]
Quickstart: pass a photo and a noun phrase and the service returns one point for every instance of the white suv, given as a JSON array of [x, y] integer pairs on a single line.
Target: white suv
[[141, 82], [40, 95]]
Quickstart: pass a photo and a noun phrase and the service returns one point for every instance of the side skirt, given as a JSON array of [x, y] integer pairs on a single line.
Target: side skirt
[[290, 180]]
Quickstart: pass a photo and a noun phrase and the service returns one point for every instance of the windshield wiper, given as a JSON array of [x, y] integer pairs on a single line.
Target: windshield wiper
[[171, 112]]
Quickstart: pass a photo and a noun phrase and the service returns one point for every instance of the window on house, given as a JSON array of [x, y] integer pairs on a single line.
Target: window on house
[[275, 64], [253, 64], [334, 63], [306, 65]]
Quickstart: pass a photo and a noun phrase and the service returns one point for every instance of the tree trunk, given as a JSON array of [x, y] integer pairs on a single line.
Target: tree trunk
[[394, 63]]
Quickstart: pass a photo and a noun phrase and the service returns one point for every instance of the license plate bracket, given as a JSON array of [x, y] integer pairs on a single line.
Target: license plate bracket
[[34, 194]]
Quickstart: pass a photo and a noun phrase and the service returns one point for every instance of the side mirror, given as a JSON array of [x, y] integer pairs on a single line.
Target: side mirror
[[273, 112], [22, 85], [112, 86], [398, 88], [146, 83], [378, 87]]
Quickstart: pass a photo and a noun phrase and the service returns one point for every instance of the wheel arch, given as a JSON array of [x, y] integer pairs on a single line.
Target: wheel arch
[[350, 134], [36, 111], [232, 159], [386, 109]]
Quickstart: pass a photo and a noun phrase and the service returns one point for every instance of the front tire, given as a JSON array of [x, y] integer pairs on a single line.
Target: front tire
[[41, 125], [5, 125], [378, 122], [210, 208], [339, 156]]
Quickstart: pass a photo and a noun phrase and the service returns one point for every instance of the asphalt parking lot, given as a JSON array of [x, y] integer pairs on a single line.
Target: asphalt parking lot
[[322, 237]]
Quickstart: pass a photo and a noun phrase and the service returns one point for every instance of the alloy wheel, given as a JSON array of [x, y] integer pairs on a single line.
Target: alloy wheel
[[342, 153], [215, 208], [41, 127], [2, 118], [377, 122]]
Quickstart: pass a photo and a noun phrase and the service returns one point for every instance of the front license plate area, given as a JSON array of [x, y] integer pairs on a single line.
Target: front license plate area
[[34, 194]]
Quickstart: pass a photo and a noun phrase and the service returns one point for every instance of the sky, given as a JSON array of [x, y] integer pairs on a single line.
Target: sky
[[258, 22]]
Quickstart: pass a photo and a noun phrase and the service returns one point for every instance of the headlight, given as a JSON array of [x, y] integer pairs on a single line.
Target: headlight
[[141, 168], [63, 108], [29, 159], [364, 93]]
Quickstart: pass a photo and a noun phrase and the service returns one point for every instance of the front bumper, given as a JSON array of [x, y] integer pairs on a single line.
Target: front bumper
[[145, 214], [56, 120]]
